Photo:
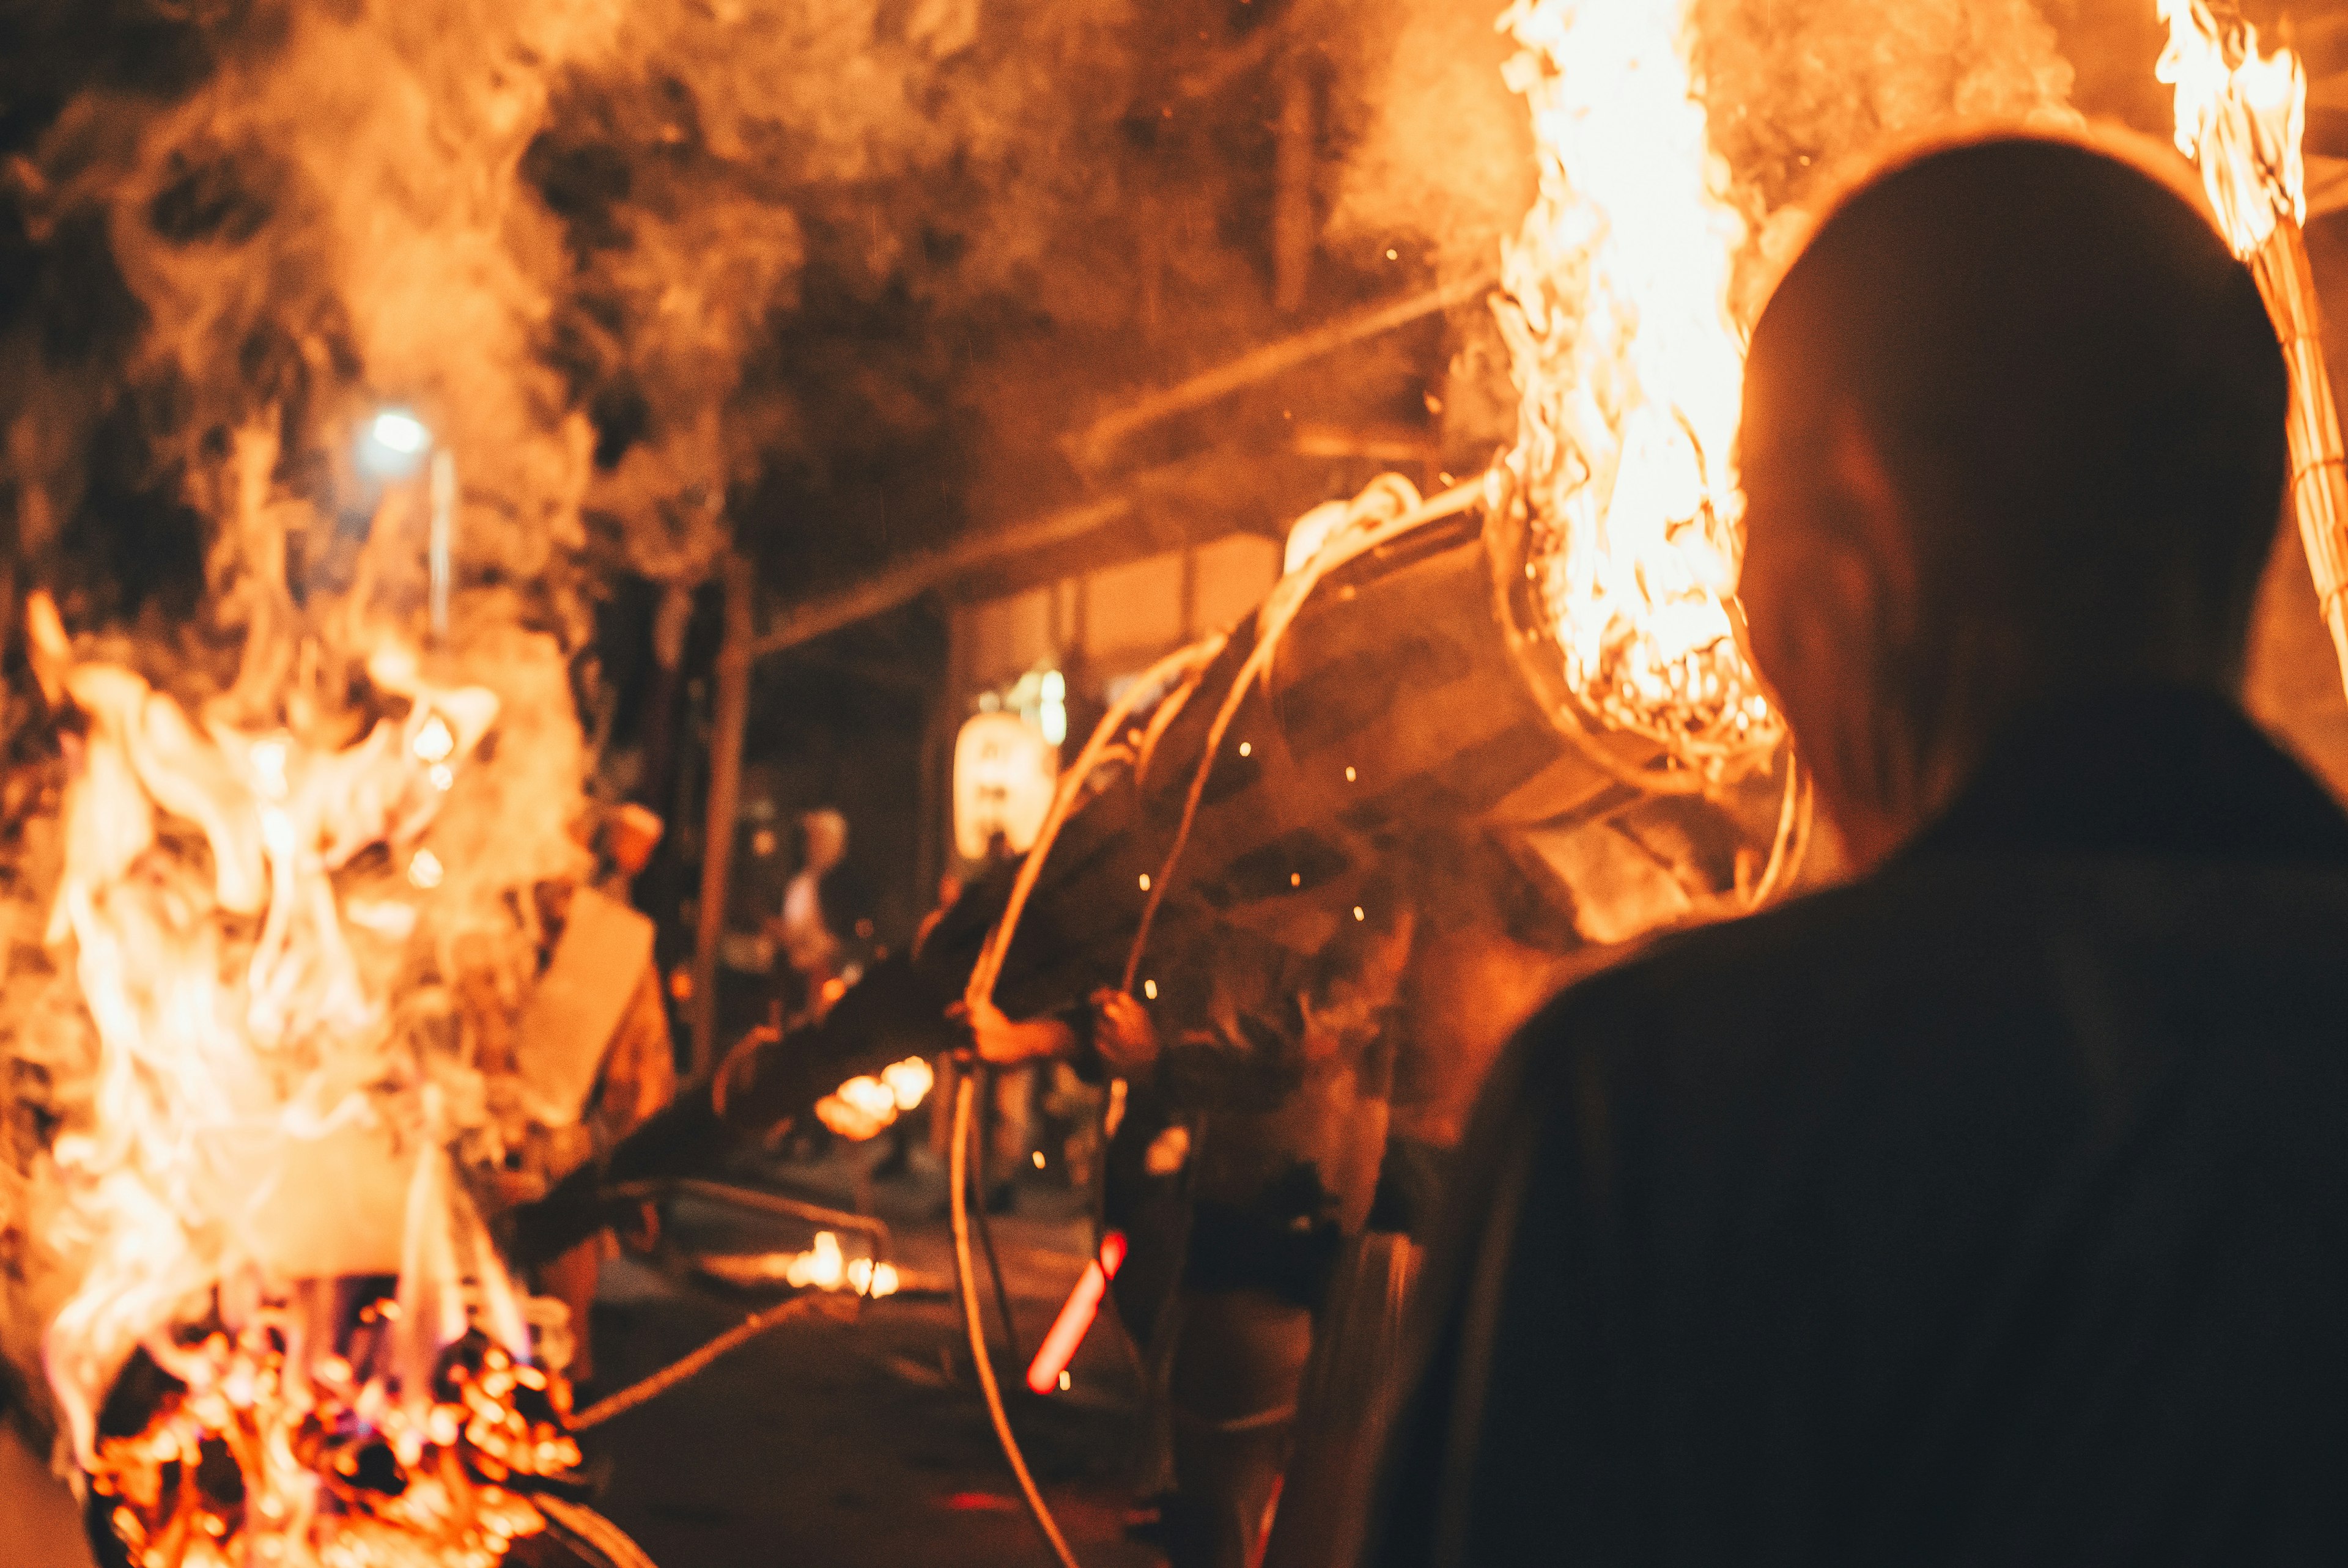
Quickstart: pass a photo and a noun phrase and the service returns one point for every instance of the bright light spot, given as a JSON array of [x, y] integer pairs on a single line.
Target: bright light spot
[[1149, 989], [425, 869], [1145, 882], [394, 444], [434, 742], [1391, 253], [1055, 720], [824, 1267], [1054, 687], [910, 1081], [1358, 913], [1245, 748], [444, 778], [1349, 775], [1065, 1380], [872, 1097]]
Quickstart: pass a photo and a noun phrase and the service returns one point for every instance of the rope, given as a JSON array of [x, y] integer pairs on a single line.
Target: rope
[[1361, 533], [965, 1131], [1351, 541], [875, 1230], [986, 1237], [597, 1533], [1186, 663], [823, 1304]]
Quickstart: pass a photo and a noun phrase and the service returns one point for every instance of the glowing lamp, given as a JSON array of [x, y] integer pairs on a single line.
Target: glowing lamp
[[1068, 1330], [394, 444], [1006, 770]]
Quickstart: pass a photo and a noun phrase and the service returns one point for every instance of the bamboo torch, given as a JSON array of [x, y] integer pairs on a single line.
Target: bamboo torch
[[2240, 117]]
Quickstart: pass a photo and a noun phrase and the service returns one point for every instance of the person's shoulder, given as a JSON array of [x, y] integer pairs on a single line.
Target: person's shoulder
[[1700, 970], [1723, 1007]]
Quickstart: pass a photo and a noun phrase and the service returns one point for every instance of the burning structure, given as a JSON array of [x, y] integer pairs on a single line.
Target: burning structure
[[295, 772]]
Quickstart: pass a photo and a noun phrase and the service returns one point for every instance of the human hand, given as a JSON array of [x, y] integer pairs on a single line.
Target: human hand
[[1124, 1034], [1000, 1039]]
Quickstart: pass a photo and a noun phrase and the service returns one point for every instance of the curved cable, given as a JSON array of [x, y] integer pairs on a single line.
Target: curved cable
[[966, 1277], [1362, 532], [1185, 662]]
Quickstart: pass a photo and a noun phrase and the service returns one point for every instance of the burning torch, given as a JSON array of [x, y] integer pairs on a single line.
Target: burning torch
[[2240, 117]]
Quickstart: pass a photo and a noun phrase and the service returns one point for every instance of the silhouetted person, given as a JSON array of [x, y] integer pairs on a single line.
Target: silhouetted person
[[1994, 1207]]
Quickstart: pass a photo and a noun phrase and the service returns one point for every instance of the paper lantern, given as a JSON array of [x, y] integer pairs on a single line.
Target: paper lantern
[[1004, 774]]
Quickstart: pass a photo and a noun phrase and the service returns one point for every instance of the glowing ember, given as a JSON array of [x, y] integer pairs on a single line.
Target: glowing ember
[[249, 1459], [863, 1106], [823, 1266], [2240, 116], [1630, 369]]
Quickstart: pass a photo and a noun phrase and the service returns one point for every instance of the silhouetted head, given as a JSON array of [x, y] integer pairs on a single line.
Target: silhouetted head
[[2013, 430]]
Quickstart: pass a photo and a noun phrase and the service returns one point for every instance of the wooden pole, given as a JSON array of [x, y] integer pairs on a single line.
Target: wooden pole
[[730, 717], [919, 574], [1092, 447]]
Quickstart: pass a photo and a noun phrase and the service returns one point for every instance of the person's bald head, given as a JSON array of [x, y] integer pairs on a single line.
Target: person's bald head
[[2013, 428]]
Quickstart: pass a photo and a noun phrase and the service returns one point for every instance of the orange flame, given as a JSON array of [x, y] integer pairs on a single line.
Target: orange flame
[[246, 902], [2240, 116], [1630, 369]]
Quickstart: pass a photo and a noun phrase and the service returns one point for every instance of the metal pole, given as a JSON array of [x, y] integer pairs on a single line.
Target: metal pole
[[730, 717], [440, 547]]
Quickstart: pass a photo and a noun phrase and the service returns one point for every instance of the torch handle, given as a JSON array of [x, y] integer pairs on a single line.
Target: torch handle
[[2319, 468]]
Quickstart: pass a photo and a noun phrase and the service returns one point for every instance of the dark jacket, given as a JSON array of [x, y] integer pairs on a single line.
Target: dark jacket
[[1990, 1210]]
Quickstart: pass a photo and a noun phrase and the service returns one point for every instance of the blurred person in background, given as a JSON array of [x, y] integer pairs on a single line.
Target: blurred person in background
[[814, 929], [1994, 1207]]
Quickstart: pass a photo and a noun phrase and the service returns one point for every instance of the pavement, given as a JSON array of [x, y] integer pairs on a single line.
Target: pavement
[[865, 1441]]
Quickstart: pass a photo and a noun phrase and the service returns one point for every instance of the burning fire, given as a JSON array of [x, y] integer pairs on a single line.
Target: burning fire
[[2240, 116], [823, 1266], [864, 1106], [246, 912], [1630, 369], [250, 1451]]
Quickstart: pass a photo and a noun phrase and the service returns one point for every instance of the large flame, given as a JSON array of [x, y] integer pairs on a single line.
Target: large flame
[[1630, 368], [246, 911], [2240, 116]]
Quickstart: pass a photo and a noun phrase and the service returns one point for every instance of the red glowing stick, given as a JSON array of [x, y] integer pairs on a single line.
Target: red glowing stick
[[1076, 1317]]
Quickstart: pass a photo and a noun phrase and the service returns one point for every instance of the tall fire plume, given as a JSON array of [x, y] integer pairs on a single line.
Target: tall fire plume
[[1790, 99], [1615, 308], [1679, 149], [2242, 113]]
